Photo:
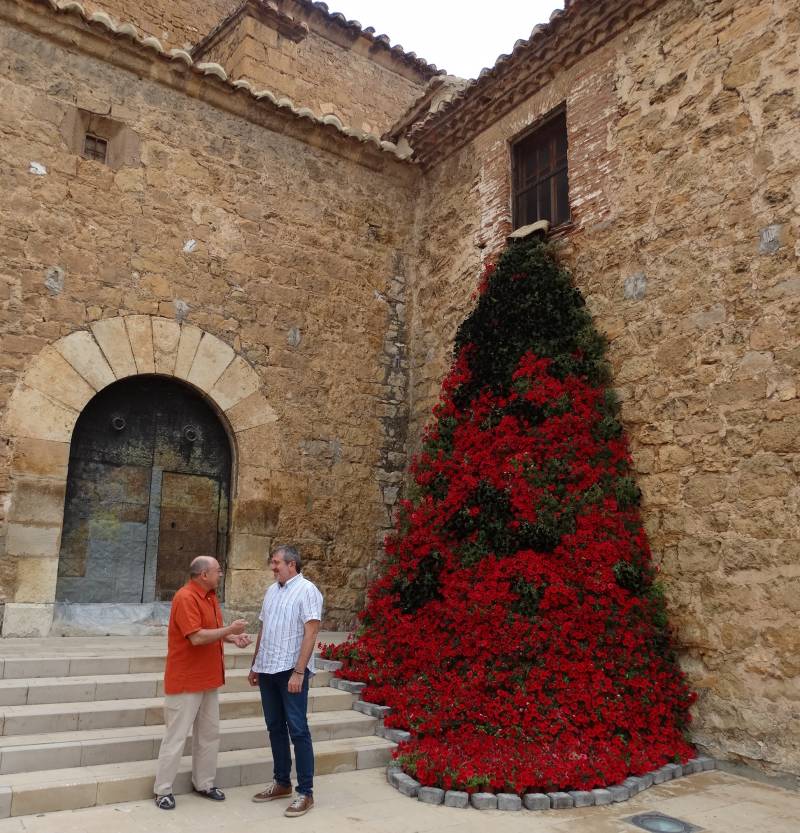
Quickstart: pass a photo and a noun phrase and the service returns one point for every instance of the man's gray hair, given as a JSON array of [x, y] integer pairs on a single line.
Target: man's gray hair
[[200, 565], [289, 555]]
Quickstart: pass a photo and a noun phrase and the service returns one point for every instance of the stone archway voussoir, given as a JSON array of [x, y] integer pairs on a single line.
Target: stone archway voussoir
[[52, 375], [33, 415], [140, 335], [210, 361], [112, 336], [250, 413], [84, 354]]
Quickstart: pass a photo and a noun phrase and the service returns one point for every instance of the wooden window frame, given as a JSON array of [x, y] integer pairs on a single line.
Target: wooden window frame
[[547, 132]]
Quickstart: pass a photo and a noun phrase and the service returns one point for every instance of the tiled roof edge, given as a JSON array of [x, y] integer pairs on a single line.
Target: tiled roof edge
[[380, 41], [481, 95], [128, 30]]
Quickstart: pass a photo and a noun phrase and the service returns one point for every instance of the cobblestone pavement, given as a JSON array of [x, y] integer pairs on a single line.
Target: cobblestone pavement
[[351, 802]]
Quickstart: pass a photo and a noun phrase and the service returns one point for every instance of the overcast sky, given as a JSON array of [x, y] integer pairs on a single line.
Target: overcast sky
[[461, 36]]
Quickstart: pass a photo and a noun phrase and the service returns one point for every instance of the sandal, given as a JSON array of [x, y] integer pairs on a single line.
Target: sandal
[[165, 802], [214, 793]]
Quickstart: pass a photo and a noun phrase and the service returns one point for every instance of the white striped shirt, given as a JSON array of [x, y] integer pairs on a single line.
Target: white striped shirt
[[284, 612]]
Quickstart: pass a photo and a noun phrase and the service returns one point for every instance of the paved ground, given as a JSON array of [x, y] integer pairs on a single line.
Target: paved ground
[[362, 802]]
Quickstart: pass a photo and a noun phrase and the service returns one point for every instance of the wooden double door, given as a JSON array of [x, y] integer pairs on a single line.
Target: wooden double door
[[147, 490]]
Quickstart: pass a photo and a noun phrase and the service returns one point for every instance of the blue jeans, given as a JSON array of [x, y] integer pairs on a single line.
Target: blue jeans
[[285, 716]]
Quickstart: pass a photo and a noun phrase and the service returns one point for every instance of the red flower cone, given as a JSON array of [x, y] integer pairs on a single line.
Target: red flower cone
[[518, 631]]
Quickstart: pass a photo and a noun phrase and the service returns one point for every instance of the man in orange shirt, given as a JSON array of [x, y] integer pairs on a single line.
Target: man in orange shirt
[[194, 671]]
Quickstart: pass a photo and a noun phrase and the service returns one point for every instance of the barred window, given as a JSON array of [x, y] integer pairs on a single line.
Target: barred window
[[541, 183], [95, 148]]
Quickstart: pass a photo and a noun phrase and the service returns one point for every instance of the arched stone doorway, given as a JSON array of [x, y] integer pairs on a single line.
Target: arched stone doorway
[[45, 407], [148, 488]]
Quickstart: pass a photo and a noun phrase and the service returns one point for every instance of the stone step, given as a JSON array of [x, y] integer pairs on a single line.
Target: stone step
[[137, 662], [41, 690], [71, 789], [29, 753], [146, 711], [92, 656]]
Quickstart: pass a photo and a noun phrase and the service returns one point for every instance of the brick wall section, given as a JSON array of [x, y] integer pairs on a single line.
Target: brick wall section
[[265, 270], [684, 164]]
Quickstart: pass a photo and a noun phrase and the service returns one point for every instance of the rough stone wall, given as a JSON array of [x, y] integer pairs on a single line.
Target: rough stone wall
[[318, 73], [684, 170], [198, 228]]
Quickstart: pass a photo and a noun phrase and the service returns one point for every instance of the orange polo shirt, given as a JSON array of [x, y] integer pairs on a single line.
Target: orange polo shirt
[[193, 667]]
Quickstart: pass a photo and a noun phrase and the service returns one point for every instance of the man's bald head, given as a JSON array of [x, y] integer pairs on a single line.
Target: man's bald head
[[202, 564], [206, 571]]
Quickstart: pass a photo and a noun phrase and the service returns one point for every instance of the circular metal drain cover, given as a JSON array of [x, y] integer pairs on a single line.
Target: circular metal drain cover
[[659, 823]]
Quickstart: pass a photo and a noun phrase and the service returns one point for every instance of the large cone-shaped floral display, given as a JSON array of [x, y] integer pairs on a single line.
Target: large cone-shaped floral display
[[518, 631]]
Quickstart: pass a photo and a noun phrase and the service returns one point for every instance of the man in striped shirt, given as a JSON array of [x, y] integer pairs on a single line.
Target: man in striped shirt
[[283, 663]]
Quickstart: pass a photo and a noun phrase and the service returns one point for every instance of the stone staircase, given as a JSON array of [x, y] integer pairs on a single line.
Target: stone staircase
[[81, 722]]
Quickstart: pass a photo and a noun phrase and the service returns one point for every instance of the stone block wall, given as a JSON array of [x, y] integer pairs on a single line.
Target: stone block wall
[[684, 168], [323, 70], [282, 242]]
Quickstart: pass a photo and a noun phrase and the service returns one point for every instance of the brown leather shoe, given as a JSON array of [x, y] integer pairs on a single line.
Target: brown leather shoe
[[300, 806], [271, 792]]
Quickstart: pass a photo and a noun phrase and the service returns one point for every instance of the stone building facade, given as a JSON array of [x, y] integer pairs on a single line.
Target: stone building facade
[[297, 247]]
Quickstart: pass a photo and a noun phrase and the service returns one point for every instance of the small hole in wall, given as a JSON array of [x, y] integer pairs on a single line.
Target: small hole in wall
[[95, 148]]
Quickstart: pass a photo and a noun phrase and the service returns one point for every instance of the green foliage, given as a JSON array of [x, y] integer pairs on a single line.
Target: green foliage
[[415, 592], [627, 493], [529, 597], [631, 577], [547, 316]]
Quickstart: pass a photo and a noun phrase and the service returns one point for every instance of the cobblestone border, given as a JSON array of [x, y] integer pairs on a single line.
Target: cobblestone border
[[405, 784]]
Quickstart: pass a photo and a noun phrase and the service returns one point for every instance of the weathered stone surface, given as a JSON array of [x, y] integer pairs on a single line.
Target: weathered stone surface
[[54, 376], [601, 797], [187, 348], [581, 798], [84, 354], [37, 500], [249, 552], [237, 383], [140, 335], [619, 792], [560, 800], [210, 360], [407, 785], [508, 801], [27, 619], [166, 337], [43, 458], [250, 413], [483, 801], [32, 415], [456, 798], [36, 580], [32, 541], [396, 735], [430, 795], [536, 801], [112, 336]]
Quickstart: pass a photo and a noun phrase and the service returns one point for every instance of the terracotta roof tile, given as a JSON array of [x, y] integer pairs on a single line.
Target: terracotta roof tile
[[581, 27]]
